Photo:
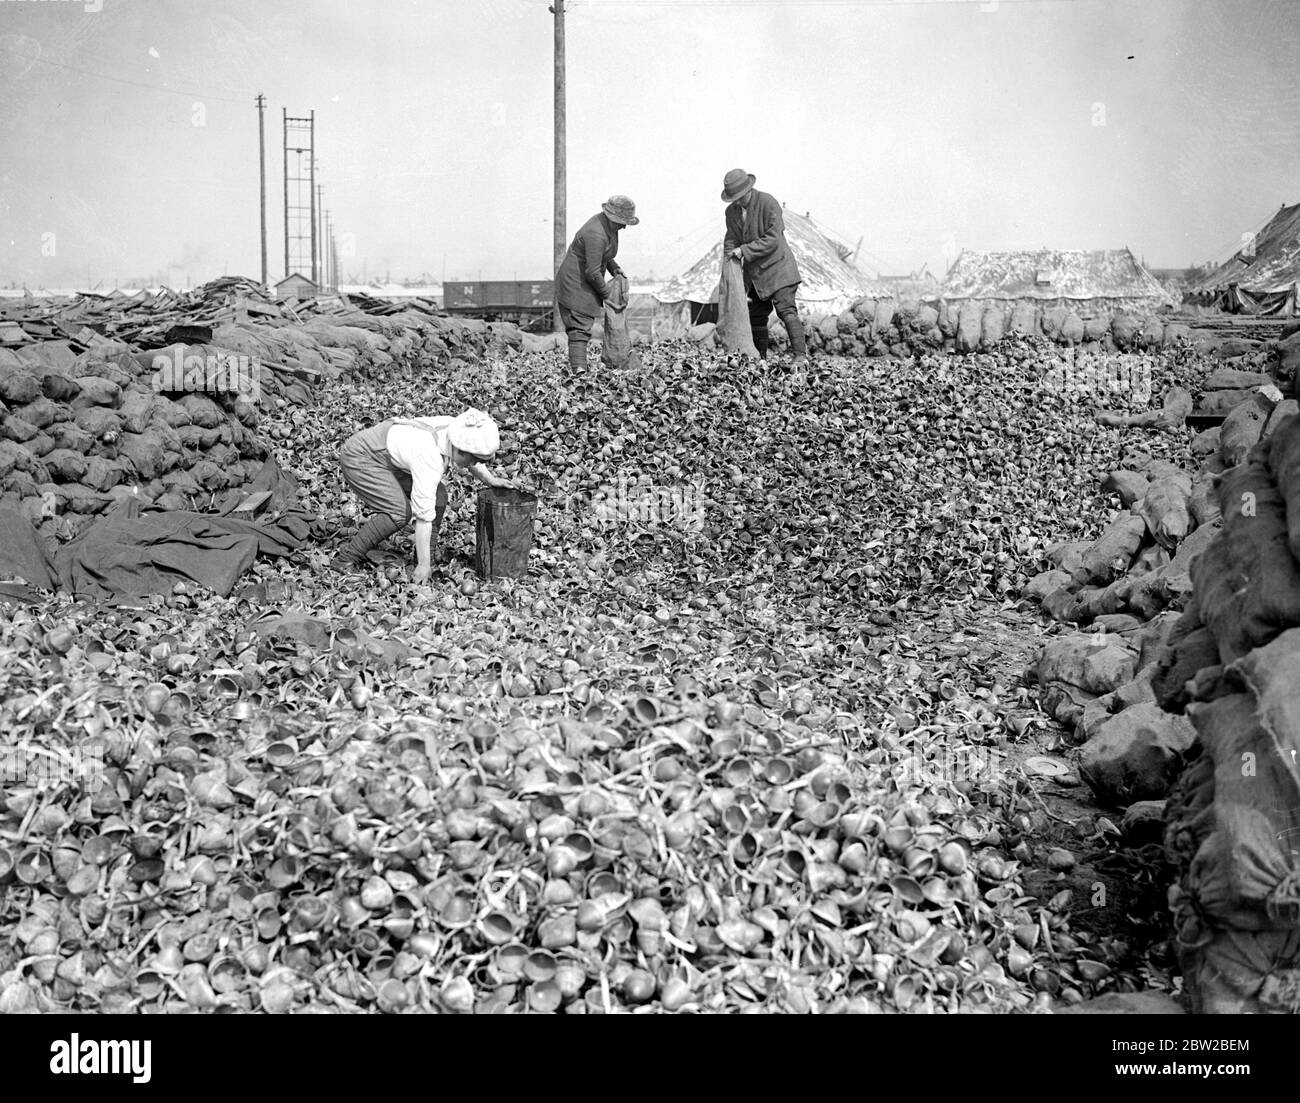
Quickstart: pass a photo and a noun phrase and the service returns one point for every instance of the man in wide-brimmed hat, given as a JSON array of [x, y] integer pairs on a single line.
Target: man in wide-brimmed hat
[[396, 469], [756, 238], [580, 282]]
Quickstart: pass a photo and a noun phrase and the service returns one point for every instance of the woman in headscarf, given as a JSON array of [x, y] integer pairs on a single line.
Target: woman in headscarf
[[580, 283], [396, 468]]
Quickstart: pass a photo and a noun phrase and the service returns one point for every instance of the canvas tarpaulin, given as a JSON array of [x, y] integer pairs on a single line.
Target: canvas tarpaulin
[[1234, 300], [132, 553], [829, 282], [1053, 275], [1264, 276], [22, 555]]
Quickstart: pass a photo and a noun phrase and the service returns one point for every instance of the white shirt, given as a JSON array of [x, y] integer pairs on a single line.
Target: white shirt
[[424, 455]]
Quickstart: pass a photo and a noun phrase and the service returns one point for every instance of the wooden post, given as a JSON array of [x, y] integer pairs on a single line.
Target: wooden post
[[318, 222], [284, 111], [311, 200], [261, 164], [561, 167]]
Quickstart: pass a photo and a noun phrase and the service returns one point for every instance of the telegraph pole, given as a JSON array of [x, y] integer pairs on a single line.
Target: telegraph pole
[[284, 111], [561, 166], [261, 164], [329, 252], [311, 195], [318, 232]]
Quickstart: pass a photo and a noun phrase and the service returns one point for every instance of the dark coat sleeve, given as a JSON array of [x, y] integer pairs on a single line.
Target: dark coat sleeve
[[733, 218], [771, 227], [580, 283], [593, 259]]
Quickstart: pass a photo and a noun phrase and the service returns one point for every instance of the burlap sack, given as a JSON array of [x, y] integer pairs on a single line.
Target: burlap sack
[[616, 344], [734, 333]]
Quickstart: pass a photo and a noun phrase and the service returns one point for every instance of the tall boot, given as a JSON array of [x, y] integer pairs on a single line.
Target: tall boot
[[374, 532], [760, 341], [578, 354], [794, 327]]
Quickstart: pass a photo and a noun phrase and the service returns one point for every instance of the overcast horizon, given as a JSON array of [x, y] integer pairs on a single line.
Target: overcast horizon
[[129, 133]]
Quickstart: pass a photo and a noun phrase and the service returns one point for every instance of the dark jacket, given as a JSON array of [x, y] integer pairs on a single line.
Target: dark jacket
[[769, 263], [580, 282]]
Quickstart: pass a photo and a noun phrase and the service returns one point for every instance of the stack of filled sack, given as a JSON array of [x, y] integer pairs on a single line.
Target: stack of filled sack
[[908, 327], [1232, 666], [1186, 682], [119, 409], [78, 432]]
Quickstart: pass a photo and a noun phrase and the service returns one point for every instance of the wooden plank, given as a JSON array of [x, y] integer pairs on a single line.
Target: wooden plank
[[253, 503]]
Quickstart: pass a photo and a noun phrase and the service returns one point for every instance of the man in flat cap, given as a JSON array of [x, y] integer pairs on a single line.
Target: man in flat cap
[[756, 238]]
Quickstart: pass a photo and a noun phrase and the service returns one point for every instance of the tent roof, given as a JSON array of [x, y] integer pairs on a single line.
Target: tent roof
[[1275, 265], [1051, 274], [827, 277]]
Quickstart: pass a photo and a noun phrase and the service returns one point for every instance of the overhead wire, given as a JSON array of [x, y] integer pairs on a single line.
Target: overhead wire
[[124, 80], [987, 5]]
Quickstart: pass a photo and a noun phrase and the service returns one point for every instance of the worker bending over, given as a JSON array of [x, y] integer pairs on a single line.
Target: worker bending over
[[397, 467]]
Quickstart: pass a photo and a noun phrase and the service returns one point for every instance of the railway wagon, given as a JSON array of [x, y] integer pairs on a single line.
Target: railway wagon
[[493, 300]]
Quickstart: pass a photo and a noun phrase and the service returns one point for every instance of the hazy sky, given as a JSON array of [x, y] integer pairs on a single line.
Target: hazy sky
[[129, 134]]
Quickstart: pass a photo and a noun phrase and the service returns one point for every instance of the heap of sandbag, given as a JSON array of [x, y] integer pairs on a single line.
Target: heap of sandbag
[[1140, 564], [347, 340], [159, 397], [1232, 667], [911, 327], [901, 328], [1186, 683], [80, 431], [234, 314]]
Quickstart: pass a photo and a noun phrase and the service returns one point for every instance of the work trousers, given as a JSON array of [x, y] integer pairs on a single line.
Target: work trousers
[[576, 325], [783, 302], [371, 475]]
